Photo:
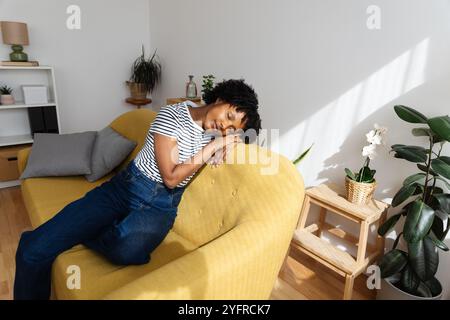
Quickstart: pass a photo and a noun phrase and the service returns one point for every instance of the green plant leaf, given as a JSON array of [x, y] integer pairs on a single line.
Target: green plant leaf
[[440, 126], [423, 258], [365, 175], [419, 190], [435, 286], [396, 241], [444, 201], [438, 227], [409, 280], [410, 153], [303, 155], [404, 193], [418, 221], [409, 114], [444, 181], [388, 224], [413, 178], [438, 243], [441, 166], [424, 169], [422, 132], [392, 262], [350, 174], [426, 132], [423, 291]]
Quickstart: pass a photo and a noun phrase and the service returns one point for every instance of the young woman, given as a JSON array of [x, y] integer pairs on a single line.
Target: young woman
[[127, 217]]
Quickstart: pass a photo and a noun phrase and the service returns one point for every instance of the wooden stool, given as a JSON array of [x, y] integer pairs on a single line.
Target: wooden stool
[[308, 239]]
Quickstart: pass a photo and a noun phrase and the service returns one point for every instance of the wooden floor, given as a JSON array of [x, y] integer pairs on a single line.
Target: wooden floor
[[13, 221], [300, 278]]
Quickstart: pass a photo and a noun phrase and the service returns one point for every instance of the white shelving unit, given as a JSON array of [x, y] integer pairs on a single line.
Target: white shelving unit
[[14, 122]]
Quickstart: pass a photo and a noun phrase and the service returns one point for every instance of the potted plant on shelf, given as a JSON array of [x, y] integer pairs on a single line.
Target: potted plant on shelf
[[6, 97], [145, 76], [361, 185], [207, 85], [409, 273]]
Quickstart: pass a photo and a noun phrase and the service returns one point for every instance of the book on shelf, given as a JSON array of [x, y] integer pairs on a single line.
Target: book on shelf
[[19, 63]]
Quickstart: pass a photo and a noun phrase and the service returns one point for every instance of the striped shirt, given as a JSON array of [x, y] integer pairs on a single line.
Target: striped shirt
[[173, 121]]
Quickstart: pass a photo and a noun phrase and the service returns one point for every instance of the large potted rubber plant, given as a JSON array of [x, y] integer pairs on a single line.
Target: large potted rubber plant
[[409, 268]]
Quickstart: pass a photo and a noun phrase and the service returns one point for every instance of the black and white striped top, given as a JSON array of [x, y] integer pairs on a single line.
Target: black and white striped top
[[173, 121]]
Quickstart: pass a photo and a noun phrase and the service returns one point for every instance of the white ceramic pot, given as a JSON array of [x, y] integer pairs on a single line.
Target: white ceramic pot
[[6, 99], [390, 292]]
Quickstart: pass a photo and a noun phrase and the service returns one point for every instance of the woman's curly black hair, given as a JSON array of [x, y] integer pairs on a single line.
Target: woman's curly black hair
[[240, 95]]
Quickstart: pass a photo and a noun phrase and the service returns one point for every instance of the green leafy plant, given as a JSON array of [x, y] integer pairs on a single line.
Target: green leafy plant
[[427, 211], [207, 84], [146, 71], [375, 137], [5, 90], [302, 155]]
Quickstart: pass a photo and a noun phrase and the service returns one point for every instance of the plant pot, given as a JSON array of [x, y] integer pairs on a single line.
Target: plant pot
[[138, 91], [7, 99], [359, 192], [390, 292]]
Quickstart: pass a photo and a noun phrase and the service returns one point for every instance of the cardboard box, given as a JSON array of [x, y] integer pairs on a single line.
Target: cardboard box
[[8, 162]]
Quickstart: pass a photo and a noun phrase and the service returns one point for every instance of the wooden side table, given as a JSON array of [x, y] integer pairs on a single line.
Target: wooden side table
[[138, 102], [308, 238], [177, 100]]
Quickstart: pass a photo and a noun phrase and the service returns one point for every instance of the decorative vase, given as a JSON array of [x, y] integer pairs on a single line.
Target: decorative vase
[[359, 192], [7, 99], [138, 91], [191, 88]]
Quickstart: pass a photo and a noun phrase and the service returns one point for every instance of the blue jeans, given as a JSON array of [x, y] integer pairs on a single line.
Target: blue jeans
[[124, 219]]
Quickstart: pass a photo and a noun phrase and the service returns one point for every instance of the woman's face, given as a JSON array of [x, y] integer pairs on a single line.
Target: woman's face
[[223, 117]]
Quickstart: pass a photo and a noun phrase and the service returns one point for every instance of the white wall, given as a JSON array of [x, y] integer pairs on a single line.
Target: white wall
[[91, 64], [322, 76]]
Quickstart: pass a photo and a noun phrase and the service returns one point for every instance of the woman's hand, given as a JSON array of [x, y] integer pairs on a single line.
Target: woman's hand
[[223, 141], [227, 143]]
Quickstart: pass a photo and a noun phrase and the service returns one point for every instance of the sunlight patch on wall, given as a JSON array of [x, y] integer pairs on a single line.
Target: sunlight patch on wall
[[335, 121]]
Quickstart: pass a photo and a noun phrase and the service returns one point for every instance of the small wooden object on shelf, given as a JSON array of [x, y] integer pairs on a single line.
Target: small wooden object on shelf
[[138, 102], [19, 63], [197, 100], [308, 239]]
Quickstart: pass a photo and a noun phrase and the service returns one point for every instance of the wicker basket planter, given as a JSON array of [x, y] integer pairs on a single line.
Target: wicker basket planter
[[138, 91], [359, 192]]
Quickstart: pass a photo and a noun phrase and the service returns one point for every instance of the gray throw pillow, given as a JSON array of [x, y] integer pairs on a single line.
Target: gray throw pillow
[[60, 154], [110, 149]]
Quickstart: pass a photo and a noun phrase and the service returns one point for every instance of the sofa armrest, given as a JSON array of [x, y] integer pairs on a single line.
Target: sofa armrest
[[22, 158], [243, 263]]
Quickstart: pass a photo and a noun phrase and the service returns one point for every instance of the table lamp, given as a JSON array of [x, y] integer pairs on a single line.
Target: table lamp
[[15, 34]]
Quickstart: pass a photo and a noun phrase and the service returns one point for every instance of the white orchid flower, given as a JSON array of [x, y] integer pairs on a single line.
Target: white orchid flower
[[369, 151], [372, 137], [376, 136]]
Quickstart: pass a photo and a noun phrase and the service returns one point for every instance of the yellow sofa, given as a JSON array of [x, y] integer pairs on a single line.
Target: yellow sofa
[[230, 237]]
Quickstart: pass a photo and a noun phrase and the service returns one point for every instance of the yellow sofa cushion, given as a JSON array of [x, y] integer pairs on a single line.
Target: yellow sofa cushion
[[44, 197], [99, 277]]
